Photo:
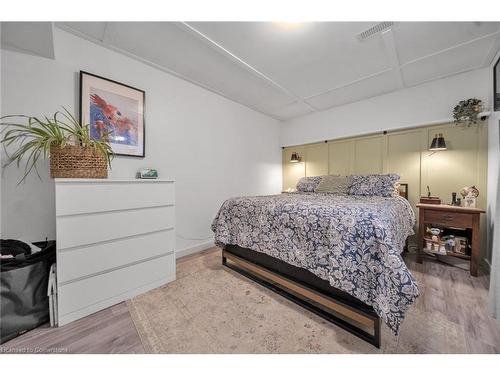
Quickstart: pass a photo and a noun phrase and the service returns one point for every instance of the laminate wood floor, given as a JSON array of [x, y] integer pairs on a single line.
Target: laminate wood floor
[[449, 292]]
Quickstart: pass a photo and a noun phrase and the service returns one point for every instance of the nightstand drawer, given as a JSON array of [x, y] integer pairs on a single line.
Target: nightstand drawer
[[452, 219]]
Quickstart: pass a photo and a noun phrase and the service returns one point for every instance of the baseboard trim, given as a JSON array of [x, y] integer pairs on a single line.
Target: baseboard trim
[[193, 249]]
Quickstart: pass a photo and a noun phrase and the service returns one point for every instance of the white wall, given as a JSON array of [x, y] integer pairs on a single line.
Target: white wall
[[493, 174], [419, 105], [1, 158], [493, 164], [213, 147]]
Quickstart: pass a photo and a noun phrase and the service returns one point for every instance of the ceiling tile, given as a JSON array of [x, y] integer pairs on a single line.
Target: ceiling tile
[[456, 60], [273, 67], [168, 45], [32, 37], [291, 111], [94, 30], [418, 39], [366, 88], [308, 59]]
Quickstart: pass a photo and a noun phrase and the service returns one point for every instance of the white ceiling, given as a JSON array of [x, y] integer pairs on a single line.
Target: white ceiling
[[29, 37], [286, 70]]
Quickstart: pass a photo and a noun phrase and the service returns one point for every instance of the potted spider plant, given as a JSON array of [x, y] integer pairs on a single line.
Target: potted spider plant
[[72, 151]]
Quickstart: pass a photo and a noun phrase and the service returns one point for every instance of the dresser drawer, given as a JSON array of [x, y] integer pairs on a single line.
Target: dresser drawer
[[101, 257], [76, 198], [451, 219], [116, 286], [87, 229]]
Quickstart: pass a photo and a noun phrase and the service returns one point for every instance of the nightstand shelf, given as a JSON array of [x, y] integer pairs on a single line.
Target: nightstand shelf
[[458, 255], [446, 216]]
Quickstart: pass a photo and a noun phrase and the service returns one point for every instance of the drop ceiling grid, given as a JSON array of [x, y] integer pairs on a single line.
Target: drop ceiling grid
[[317, 59], [108, 42], [250, 68], [267, 88]]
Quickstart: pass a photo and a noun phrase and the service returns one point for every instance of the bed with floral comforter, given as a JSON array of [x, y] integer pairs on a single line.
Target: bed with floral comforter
[[354, 242]]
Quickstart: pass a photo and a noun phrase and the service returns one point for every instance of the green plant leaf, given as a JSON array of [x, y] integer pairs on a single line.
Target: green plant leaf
[[36, 136]]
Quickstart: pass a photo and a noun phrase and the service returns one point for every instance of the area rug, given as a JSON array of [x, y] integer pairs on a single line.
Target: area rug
[[211, 309]]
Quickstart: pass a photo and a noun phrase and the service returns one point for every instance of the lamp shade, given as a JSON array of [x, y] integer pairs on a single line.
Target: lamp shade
[[295, 158], [438, 143]]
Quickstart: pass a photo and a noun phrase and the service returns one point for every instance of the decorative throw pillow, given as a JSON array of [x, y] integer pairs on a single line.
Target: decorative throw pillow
[[308, 184], [374, 184], [334, 184]]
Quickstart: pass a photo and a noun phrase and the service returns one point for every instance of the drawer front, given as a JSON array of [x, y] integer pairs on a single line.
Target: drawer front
[[93, 259], [94, 290], [87, 197], [451, 219], [80, 230]]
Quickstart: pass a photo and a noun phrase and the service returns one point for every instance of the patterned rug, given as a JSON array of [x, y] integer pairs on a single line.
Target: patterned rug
[[211, 309]]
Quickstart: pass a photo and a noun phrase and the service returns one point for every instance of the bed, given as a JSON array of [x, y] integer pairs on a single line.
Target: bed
[[337, 255]]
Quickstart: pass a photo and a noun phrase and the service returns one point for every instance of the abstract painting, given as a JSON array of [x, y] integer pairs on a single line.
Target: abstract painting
[[114, 110]]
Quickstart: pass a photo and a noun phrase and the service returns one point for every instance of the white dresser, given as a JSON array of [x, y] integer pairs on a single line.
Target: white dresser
[[115, 239]]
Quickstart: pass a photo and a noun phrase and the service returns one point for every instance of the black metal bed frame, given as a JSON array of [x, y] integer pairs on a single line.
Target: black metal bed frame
[[314, 307]]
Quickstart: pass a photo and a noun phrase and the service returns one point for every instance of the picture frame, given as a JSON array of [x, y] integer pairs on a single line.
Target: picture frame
[[496, 86], [114, 109]]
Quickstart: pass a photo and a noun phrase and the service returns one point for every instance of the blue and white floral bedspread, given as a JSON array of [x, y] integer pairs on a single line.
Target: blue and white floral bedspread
[[354, 242]]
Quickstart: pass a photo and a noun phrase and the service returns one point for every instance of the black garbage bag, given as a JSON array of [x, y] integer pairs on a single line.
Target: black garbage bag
[[24, 304]]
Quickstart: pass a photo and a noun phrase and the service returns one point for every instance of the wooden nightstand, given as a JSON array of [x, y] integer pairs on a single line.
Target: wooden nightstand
[[447, 216]]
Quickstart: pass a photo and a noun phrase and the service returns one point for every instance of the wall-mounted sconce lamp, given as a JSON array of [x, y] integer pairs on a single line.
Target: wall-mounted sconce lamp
[[438, 143], [295, 158]]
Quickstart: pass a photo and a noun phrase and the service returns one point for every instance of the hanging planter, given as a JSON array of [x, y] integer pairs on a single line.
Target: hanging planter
[[467, 111]]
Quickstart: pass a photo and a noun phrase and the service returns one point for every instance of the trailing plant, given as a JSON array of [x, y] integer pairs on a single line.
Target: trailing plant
[[466, 111], [35, 137]]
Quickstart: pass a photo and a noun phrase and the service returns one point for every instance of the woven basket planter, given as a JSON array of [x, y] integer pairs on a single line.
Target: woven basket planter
[[77, 162]]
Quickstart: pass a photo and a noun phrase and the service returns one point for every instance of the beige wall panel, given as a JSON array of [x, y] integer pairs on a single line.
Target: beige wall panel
[[448, 171], [369, 155], [464, 163], [405, 152], [292, 171], [316, 159], [403, 158], [340, 159]]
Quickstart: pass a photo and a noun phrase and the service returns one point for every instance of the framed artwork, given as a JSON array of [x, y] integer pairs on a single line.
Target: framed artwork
[[496, 86], [112, 108]]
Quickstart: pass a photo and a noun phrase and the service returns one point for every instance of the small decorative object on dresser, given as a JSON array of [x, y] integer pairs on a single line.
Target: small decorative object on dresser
[[430, 199], [148, 173], [454, 199], [454, 218], [469, 195]]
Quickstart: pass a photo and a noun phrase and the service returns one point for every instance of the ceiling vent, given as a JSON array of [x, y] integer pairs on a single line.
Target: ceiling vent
[[372, 31]]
